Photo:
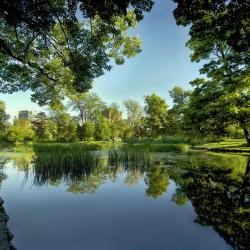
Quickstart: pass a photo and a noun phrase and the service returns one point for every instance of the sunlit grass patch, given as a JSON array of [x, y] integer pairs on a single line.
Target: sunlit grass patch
[[237, 145]]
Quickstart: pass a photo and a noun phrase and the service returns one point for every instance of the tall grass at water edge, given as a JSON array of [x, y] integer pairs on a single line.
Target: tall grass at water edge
[[161, 140], [66, 147]]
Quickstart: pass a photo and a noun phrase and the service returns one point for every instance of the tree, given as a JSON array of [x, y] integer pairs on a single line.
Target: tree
[[3, 120], [44, 127], [213, 19], [89, 106], [156, 115], [102, 129], [134, 115], [201, 118], [223, 98], [46, 48], [21, 131], [65, 125], [125, 131], [38, 123], [114, 116], [215, 106], [50, 130], [88, 130], [112, 113], [180, 99]]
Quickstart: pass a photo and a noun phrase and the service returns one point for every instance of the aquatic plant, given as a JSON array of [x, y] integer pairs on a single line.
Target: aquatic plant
[[62, 161], [65, 147]]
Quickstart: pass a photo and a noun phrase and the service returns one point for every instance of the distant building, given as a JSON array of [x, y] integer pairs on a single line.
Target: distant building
[[24, 114]]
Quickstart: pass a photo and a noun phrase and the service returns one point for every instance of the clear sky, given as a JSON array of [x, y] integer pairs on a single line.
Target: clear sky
[[163, 63]]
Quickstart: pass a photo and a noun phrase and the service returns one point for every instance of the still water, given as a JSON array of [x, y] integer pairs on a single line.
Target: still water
[[112, 201]]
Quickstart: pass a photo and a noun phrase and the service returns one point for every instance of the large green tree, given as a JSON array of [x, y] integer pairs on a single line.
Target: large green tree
[[134, 115], [222, 98], [156, 114], [102, 129], [56, 48], [66, 127], [158, 121], [226, 21], [113, 114], [21, 131], [215, 106], [180, 98], [88, 106]]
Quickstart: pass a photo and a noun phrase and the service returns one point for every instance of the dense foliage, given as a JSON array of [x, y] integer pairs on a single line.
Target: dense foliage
[[57, 48], [87, 117], [221, 98]]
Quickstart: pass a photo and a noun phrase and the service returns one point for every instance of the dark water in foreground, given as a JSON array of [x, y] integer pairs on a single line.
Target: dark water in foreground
[[176, 202]]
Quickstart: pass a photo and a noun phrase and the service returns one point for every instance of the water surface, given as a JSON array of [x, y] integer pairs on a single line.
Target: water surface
[[119, 201]]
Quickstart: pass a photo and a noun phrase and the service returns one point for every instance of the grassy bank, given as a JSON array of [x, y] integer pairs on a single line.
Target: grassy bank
[[160, 140], [159, 147], [162, 144], [171, 144], [78, 147], [227, 145]]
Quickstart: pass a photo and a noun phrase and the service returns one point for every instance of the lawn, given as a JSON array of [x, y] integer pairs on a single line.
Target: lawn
[[227, 145]]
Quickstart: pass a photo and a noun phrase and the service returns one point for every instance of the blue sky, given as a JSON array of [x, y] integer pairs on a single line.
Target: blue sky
[[163, 63]]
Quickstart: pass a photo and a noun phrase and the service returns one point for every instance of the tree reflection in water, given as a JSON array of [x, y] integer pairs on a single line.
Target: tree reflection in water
[[220, 197], [2, 174], [157, 181], [218, 190]]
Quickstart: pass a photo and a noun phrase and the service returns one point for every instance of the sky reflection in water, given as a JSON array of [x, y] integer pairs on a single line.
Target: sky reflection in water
[[128, 205]]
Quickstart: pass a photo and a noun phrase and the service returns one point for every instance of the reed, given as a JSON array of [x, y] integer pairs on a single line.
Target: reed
[[65, 147], [64, 161]]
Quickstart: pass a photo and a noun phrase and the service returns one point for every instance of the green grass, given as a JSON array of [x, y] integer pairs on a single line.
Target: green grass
[[64, 160], [161, 144], [227, 145], [68, 147], [161, 140], [80, 147], [160, 147]]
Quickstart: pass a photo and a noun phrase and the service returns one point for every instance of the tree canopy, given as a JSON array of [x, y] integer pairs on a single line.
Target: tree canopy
[[224, 20], [222, 97], [54, 48]]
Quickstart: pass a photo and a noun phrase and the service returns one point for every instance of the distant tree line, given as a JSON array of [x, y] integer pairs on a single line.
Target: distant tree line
[[87, 117]]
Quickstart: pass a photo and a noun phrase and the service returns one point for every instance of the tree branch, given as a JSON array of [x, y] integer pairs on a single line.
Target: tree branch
[[5, 48]]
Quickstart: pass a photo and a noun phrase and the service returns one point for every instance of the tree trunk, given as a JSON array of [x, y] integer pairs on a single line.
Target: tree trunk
[[247, 136]]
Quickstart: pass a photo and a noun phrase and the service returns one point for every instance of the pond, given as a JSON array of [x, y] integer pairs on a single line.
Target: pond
[[126, 199]]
